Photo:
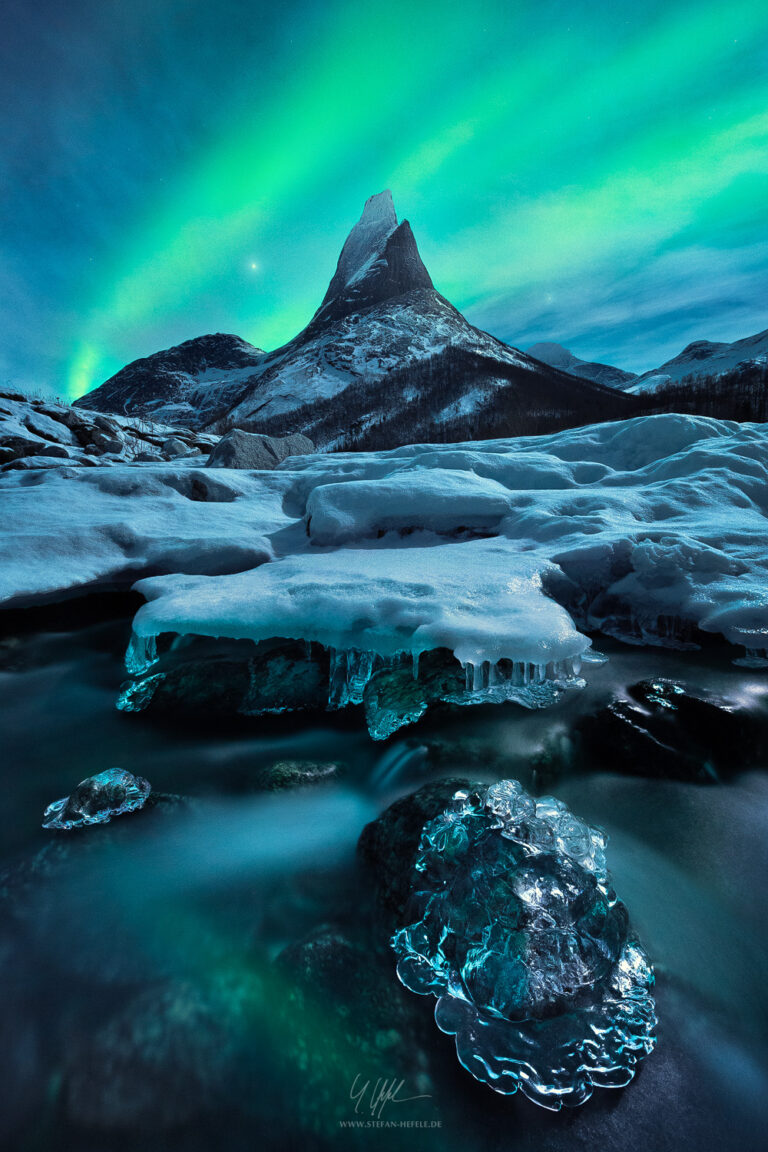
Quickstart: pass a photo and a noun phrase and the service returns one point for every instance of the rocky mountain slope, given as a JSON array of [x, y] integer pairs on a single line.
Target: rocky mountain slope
[[192, 383], [380, 316]]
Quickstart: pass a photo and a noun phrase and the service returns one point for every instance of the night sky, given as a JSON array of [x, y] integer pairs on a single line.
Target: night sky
[[585, 172]]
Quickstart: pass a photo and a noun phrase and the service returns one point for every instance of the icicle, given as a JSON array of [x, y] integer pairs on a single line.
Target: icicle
[[135, 695], [141, 653], [350, 671], [337, 676]]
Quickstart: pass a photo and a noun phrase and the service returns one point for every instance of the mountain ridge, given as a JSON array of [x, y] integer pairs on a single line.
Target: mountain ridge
[[557, 356], [705, 358], [381, 314]]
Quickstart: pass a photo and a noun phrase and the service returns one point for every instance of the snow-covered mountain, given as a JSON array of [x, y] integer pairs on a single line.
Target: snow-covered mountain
[[704, 358], [381, 322], [559, 357], [192, 383]]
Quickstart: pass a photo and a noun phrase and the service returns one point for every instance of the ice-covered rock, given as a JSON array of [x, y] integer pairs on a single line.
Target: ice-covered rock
[[504, 553], [97, 799], [273, 676], [198, 677], [515, 928], [466, 597], [370, 609], [388, 846], [238, 449]]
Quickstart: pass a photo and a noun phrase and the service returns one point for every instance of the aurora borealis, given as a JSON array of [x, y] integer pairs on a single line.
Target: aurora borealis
[[575, 172]]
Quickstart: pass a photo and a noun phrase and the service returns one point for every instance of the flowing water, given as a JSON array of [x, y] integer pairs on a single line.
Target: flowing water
[[209, 895]]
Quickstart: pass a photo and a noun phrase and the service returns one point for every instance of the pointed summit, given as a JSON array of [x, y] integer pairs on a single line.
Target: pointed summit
[[366, 239], [379, 260]]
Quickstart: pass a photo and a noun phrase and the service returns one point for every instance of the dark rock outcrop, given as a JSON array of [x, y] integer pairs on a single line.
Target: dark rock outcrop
[[387, 846], [666, 729], [43, 434]]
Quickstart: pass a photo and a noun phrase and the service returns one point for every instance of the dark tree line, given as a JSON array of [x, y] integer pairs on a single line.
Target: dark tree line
[[741, 394], [428, 401], [458, 395]]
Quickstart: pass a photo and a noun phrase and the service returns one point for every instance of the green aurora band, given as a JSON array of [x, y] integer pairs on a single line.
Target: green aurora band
[[531, 144]]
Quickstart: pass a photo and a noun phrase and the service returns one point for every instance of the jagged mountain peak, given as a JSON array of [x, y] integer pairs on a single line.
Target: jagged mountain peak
[[366, 240], [379, 260]]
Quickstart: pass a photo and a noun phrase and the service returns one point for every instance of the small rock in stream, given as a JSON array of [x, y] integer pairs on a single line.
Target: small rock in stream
[[97, 799]]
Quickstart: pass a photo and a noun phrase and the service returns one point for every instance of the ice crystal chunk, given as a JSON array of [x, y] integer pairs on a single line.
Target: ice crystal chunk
[[515, 928], [136, 695], [97, 799]]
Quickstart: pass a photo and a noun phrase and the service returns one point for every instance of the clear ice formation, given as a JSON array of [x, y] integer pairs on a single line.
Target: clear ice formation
[[403, 699], [516, 930], [97, 799]]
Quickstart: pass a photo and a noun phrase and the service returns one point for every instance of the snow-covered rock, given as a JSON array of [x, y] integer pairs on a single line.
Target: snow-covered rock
[[38, 433], [503, 553], [238, 449]]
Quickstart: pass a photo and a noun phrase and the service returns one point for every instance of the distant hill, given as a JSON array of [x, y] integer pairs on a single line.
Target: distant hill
[[559, 357]]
